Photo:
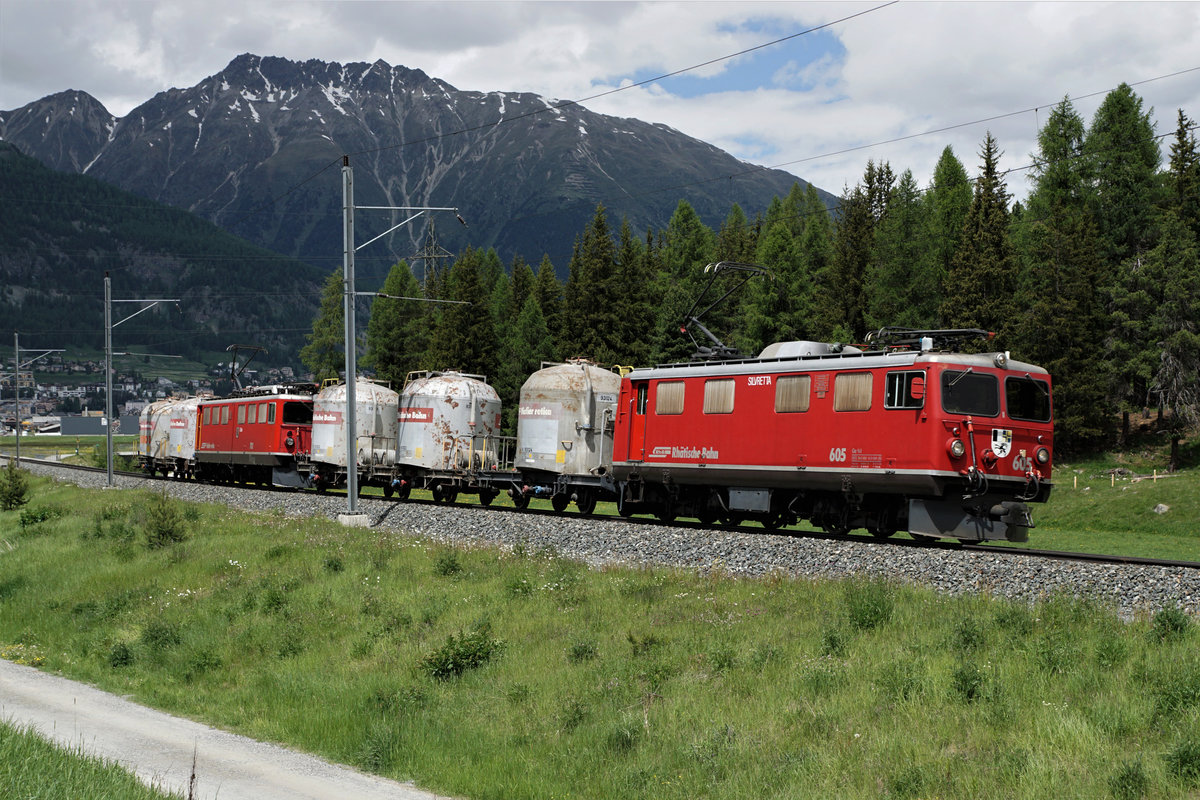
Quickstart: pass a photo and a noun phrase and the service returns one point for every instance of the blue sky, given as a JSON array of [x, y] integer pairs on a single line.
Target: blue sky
[[778, 66]]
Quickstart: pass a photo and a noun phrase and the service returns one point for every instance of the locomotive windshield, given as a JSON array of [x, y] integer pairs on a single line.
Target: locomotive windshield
[[970, 392], [1027, 399], [297, 413]]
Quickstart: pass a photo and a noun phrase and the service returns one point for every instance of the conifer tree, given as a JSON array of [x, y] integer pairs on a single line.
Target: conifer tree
[[948, 200], [841, 290], [1124, 158], [1173, 269], [1061, 301], [325, 353], [548, 293], [522, 279], [775, 309], [904, 287], [636, 298], [688, 246], [463, 336], [978, 289], [591, 314], [736, 239], [397, 333], [1183, 179]]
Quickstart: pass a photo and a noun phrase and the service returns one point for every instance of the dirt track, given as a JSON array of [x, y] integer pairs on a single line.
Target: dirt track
[[159, 748]]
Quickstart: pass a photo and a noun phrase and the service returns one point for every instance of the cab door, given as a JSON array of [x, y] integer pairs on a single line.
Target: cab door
[[637, 421]]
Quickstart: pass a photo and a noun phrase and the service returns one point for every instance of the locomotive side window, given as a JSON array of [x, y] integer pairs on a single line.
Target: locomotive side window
[[1027, 399], [669, 398], [970, 392], [852, 391], [791, 393], [207, 415], [224, 415], [271, 413], [718, 396], [905, 390], [241, 415], [642, 393]]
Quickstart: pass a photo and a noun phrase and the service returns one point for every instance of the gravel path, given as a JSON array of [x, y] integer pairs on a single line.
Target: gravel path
[[1129, 589]]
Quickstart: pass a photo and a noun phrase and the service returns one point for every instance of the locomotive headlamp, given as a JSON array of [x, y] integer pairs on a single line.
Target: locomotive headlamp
[[1000, 360], [1043, 455], [957, 448]]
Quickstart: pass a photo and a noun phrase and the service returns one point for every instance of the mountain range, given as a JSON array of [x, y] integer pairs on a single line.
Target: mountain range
[[257, 149]]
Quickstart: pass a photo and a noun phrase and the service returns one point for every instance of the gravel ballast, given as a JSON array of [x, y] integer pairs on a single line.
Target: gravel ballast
[[1129, 589]]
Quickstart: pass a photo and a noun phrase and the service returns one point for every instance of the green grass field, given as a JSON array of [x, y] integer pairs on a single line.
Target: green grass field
[[482, 673], [31, 767]]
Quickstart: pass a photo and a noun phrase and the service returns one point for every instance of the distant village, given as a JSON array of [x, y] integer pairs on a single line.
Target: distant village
[[56, 390]]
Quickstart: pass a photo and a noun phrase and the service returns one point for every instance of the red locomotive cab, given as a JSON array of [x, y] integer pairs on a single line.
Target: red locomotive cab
[[996, 423]]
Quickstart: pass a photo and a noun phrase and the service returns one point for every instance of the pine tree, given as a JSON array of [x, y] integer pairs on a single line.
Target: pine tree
[[637, 297], [462, 338], [949, 201], [1064, 320], [325, 353], [522, 278], [548, 293], [1124, 156], [688, 246], [1183, 179], [1172, 279], [774, 308], [841, 290], [397, 331], [736, 239], [590, 297], [978, 289], [904, 288]]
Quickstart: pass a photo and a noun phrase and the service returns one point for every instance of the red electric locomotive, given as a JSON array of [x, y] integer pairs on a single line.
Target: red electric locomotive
[[913, 436], [255, 435]]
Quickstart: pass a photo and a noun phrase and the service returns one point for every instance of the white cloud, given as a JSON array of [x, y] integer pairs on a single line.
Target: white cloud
[[906, 69]]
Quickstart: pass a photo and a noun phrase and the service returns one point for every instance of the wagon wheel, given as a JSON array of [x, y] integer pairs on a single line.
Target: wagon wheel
[[560, 501], [439, 493], [388, 490], [707, 517], [666, 512], [883, 531], [486, 496], [586, 502], [774, 520], [520, 500]]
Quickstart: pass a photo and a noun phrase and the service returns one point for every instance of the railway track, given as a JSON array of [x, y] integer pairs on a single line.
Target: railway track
[[920, 544]]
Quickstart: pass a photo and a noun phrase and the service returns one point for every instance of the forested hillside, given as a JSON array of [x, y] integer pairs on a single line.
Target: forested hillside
[[61, 233], [1096, 277]]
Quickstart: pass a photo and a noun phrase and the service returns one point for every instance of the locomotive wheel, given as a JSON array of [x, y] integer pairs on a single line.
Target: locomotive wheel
[[520, 500], [707, 517], [666, 512], [559, 502], [586, 503]]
